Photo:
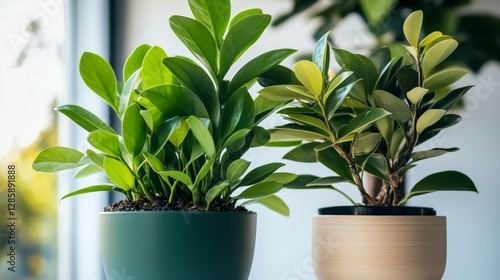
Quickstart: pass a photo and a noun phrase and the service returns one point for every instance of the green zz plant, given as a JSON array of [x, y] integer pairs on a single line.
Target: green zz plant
[[184, 125], [371, 115]]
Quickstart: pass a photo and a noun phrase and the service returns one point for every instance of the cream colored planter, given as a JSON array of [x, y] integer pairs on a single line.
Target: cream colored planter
[[379, 247]]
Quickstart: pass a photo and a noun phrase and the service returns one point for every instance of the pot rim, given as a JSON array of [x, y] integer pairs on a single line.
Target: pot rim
[[175, 212], [377, 211]]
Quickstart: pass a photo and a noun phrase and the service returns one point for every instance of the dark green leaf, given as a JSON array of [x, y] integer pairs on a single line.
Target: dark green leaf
[[321, 55], [238, 113], [213, 14], [260, 173], [303, 153], [133, 130], [431, 153], [327, 181], [397, 107], [202, 134], [363, 121], [335, 162], [259, 190], [377, 166]]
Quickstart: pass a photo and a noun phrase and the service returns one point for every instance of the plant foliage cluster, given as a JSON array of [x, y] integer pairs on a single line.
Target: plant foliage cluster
[[184, 124], [371, 115]]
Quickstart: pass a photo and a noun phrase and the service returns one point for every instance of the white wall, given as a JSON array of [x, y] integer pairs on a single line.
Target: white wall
[[283, 244]]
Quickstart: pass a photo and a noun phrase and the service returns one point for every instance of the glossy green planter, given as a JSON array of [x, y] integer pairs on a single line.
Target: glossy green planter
[[177, 245]]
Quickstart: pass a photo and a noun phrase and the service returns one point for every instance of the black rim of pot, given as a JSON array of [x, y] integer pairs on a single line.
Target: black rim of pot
[[378, 210]]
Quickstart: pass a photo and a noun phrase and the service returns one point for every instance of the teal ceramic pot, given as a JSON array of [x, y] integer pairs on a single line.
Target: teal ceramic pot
[[177, 245]]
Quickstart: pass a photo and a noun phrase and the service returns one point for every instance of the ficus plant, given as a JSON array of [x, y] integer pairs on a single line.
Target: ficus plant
[[372, 115], [184, 124]]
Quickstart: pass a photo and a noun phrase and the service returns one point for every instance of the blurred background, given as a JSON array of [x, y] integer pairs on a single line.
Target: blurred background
[[40, 45]]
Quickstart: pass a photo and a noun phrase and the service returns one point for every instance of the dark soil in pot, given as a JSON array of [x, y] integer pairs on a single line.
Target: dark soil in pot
[[377, 210]]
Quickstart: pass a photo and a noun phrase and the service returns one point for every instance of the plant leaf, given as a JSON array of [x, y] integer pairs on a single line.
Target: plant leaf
[[441, 181], [363, 121], [119, 174], [202, 134], [327, 181], [213, 14], [303, 153], [84, 118], [416, 94], [272, 202], [429, 118], [437, 54], [260, 189], [128, 95], [321, 55], [236, 169], [214, 192], [310, 76], [177, 175], [331, 159], [105, 141], [99, 77], [96, 188], [431, 153], [239, 38], [57, 158], [238, 113], [412, 26], [134, 130], [397, 107], [153, 71], [198, 39], [444, 78], [134, 61], [260, 173]]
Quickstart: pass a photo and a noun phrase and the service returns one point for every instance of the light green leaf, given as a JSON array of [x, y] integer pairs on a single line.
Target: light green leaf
[[202, 134], [429, 118], [285, 93], [429, 38], [441, 181], [198, 39], [234, 137], [260, 189], [367, 143], [153, 71], [416, 94], [154, 162], [176, 175], [213, 14], [244, 14], [236, 169], [105, 141], [310, 120], [444, 78], [310, 76], [179, 133], [437, 54], [134, 61], [281, 177], [239, 38], [412, 26], [87, 171], [99, 77], [57, 158], [91, 189], [215, 192], [296, 133], [128, 95], [96, 158], [84, 118], [134, 130], [272, 202], [119, 174]]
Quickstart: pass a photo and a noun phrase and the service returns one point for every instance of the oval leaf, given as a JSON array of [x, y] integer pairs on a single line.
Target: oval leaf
[[153, 71], [260, 189], [429, 118], [134, 130], [56, 158], [310, 76], [84, 118], [119, 174], [412, 26], [272, 202], [99, 77]]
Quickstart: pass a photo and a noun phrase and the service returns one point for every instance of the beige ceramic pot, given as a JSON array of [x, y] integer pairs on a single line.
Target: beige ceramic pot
[[379, 247]]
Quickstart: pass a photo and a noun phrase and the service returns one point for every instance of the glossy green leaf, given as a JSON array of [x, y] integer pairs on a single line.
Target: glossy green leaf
[[259, 190], [429, 118], [202, 134], [431, 153], [429, 38], [321, 55], [337, 98], [128, 95], [57, 158], [105, 141], [434, 41], [236, 169], [310, 76], [87, 171], [243, 14], [239, 38], [198, 39], [238, 113], [441, 181], [99, 77], [260, 173], [292, 132], [153, 71], [260, 137], [215, 192], [303, 153], [96, 158], [175, 101], [416, 94], [257, 66], [237, 135], [437, 54], [272, 202], [134, 61], [367, 143], [196, 80], [176, 175], [377, 166], [412, 26], [160, 136], [337, 80], [91, 189], [213, 14], [449, 100], [301, 182], [118, 173], [309, 120], [281, 177], [398, 136], [361, 66], [134, 130], [444, 78], [397, 107], [363, 121], [284, 93], [385, 126], [331, 159], [84, 118]]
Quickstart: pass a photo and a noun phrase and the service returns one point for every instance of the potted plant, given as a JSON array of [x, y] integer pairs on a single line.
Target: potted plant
[[184, 129], [370, 118]]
